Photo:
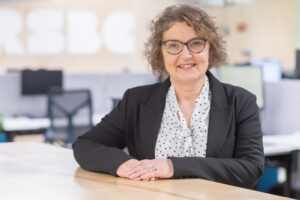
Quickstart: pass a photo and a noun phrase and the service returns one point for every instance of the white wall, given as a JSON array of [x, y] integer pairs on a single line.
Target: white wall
[[270, 33]]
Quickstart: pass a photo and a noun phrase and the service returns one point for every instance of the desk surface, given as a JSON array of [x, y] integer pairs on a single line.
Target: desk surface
[[39, 171], [281, 144]]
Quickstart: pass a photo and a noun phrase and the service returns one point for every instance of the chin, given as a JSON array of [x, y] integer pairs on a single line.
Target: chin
[[190, 79]]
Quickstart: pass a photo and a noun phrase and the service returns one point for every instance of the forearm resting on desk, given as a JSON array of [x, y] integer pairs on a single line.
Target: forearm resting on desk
[[233, 171]]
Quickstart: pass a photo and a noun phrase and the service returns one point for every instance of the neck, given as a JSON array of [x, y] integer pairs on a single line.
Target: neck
[[187, 91]]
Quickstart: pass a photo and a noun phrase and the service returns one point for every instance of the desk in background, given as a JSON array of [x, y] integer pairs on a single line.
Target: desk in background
[[281, 144], [284, 151], [23, 125], [40, 171]]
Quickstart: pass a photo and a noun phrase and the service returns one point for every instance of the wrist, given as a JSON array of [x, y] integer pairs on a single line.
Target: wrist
[[171, 167]]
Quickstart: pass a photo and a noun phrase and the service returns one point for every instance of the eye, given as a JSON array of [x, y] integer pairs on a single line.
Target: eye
[[196, 43], [172, 45]]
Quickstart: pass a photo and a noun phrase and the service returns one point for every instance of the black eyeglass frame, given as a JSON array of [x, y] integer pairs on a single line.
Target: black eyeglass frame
[[184, 43]]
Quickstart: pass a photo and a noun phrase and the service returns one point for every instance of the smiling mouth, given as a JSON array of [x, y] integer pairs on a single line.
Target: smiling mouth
[[185, 67]]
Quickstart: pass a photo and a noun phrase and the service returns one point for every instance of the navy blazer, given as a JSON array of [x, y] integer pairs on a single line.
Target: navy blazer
[[234, 147]]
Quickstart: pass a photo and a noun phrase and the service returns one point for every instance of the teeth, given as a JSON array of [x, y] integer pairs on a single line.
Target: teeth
[[185, 66]]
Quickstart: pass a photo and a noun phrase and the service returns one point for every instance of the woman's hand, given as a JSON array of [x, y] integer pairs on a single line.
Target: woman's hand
[[124, 169], [152, 170]]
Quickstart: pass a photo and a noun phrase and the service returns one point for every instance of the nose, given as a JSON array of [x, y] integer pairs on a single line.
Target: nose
[[186, 52]]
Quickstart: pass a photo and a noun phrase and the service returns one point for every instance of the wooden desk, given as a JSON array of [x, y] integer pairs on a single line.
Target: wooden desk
[[40, 171]]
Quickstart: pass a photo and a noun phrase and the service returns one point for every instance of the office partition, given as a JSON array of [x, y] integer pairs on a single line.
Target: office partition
[[247, 77]]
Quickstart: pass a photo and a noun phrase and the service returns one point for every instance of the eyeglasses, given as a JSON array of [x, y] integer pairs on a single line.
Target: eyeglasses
[[195, 45]]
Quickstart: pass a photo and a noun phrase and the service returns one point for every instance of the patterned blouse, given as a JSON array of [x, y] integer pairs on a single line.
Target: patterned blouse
[[175, 138]]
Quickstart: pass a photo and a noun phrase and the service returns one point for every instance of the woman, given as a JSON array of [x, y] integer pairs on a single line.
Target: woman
[[191, 125]]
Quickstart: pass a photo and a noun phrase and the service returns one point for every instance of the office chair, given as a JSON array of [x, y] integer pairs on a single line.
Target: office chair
[[66, 112], [115, 102], [295, 173]]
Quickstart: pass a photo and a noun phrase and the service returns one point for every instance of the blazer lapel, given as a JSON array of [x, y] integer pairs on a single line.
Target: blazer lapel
[[151, 114], [220, 117], [219, 124]]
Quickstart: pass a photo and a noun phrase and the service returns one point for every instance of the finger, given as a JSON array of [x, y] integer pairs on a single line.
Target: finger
[[142, 166], [146, 179], [151, 174], [136, 170], [133, 169], [140, 173], [122, 172], [139, 179], [133, 165]]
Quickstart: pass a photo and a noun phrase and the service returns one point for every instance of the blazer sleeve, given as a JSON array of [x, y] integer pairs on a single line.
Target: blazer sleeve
[[100, 149], [247, 164]]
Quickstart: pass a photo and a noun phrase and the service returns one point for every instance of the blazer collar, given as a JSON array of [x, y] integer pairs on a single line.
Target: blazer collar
[[218, 96], [220, 117], [151, 114], [158, 98]]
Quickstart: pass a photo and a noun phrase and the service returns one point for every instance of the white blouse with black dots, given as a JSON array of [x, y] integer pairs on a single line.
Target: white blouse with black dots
[[175, 139]]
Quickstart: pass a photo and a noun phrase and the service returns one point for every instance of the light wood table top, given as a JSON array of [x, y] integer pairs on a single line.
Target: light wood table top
[[36, 171]]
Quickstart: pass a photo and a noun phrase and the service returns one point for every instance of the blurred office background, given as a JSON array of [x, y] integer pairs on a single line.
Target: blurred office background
[[65, 64]]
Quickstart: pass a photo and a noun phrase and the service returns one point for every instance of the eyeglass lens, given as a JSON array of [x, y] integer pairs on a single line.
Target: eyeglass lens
[[194, 45]]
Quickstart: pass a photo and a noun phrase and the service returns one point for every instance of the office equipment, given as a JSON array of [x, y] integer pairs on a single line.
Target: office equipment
[[298, 62], [42, 171], [293, 74], [67, 105], [247, 77], [271, 69], [40, 81]]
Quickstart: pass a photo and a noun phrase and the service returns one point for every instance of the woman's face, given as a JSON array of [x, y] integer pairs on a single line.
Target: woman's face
[[185, 67]]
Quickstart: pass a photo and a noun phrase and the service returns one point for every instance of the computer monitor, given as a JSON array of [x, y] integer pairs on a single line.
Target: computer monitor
[[248, 77], [282, 107], [40, 81], [298, 61], [271, 69]]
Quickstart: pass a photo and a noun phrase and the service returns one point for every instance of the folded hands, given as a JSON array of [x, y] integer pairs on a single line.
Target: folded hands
[[146, 170]]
